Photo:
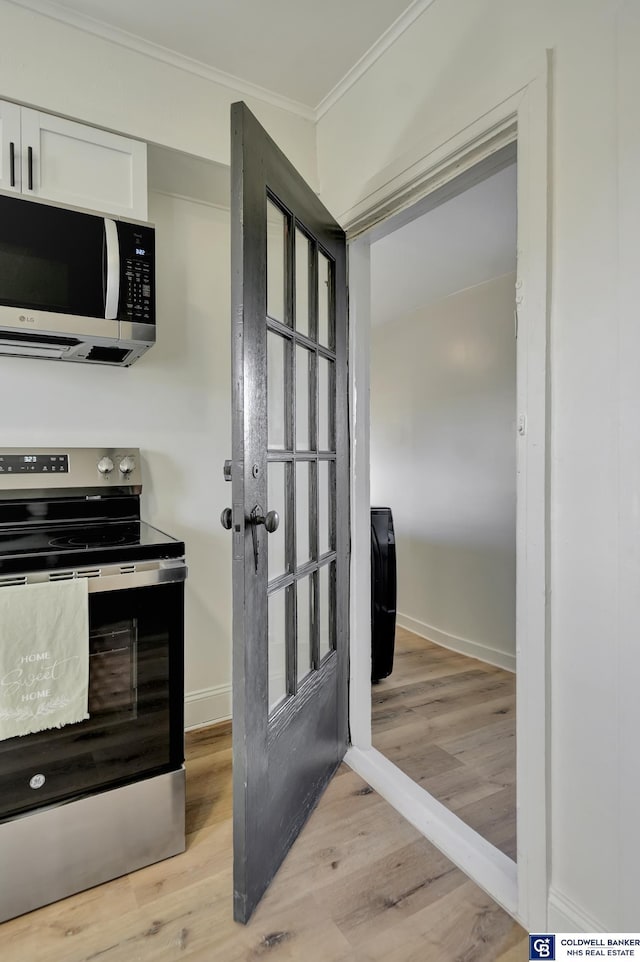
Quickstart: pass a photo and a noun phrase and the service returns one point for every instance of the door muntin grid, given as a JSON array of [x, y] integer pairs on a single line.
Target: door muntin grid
[[303, 396]]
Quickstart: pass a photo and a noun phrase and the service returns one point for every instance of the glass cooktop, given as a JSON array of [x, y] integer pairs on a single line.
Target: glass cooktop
[[61, 546]]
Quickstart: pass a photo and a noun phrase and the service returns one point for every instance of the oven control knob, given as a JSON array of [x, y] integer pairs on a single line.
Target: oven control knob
[[105, 466], [127, 465]]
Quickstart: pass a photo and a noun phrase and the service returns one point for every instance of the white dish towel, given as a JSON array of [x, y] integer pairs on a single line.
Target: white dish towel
[[44, 656]]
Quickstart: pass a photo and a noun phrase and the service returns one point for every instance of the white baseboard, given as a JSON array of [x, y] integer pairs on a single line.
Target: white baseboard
[[493, 656], [566, 916], [206, 707]]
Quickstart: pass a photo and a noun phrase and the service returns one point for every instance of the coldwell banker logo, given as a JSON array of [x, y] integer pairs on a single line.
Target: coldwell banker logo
[[542, 947]]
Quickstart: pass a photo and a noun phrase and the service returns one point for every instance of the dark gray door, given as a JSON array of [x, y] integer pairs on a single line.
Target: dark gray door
[[290, 515]]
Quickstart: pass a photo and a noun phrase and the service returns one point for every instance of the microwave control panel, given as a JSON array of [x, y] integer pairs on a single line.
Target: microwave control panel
[[137, 282]]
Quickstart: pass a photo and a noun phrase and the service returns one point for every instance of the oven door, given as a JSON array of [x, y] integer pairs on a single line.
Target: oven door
[[136, 702]]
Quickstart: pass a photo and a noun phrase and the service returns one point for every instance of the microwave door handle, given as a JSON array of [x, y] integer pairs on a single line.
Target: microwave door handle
[[112, 295]]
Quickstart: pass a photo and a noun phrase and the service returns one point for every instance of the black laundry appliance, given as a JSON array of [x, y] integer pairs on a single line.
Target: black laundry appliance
[[383, 593]]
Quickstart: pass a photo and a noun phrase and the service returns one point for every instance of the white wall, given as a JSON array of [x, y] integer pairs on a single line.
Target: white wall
[[459, 60], [184, 428], [443, 412], [55, 67]]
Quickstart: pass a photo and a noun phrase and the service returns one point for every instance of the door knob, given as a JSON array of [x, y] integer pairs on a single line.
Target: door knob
[[226, 519], [271, 520]]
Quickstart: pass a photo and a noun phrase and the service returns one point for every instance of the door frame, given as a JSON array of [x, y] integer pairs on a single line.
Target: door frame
[[523, 116]]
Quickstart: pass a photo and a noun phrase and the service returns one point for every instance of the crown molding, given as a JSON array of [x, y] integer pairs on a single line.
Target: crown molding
[[81, 21], [375, 51]]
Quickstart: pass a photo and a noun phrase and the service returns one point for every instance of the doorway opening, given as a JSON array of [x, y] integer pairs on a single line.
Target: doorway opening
[[443, 460], [467, 156]]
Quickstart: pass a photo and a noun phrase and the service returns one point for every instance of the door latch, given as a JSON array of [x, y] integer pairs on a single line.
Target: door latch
[[270, 521]]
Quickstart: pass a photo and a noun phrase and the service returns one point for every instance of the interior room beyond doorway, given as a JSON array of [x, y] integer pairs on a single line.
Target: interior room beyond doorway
[[443, 457]]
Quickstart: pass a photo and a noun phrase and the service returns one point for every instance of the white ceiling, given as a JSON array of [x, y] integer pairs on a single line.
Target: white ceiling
[[466, 241], [296, 49]]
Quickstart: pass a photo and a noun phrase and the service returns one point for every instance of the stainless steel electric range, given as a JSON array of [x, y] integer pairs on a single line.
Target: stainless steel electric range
[[86, 802]]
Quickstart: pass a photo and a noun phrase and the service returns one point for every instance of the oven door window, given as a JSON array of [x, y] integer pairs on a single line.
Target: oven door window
[[136, 717], [113, 671]]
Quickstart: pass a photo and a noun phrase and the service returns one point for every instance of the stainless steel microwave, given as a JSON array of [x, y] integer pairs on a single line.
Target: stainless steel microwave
[[74, 285]]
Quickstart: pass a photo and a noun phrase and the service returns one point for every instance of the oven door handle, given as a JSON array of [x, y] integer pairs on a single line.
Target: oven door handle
[[109, 578], [138, 579]]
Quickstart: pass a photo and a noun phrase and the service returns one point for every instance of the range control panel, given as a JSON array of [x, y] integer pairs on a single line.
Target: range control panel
[[24, 469], [36, 463]]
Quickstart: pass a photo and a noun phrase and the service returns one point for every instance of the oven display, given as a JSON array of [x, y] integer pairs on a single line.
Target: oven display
[[36, 463]]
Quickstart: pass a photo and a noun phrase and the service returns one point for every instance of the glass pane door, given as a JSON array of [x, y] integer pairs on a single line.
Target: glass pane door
[[301, 405], [290, 513]]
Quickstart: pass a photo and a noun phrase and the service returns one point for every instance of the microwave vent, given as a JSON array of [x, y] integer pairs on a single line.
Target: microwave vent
[[108, 355], [27, 337], [24, 344]]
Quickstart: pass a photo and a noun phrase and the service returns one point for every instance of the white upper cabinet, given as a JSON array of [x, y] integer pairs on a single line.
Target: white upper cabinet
[[9, 146], [71, 163]]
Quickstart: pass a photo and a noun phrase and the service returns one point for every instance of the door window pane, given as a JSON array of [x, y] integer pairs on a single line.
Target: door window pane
[[325, 405], [276, 407], [327, 609], [304, 627], [325, 506], [303, 365], [325, 332], [276, 240], [277, 653], [303, 547], [302, 283], [276, 501]]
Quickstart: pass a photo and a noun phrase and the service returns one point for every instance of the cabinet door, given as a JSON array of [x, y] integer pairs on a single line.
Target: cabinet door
[[73, 164], [9, 146]]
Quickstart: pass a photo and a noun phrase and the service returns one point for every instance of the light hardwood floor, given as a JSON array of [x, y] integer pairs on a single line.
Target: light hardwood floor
[[360, 885], [448, 721]]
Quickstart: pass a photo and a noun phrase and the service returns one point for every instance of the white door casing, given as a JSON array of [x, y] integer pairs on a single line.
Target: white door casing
[[522, 887]]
